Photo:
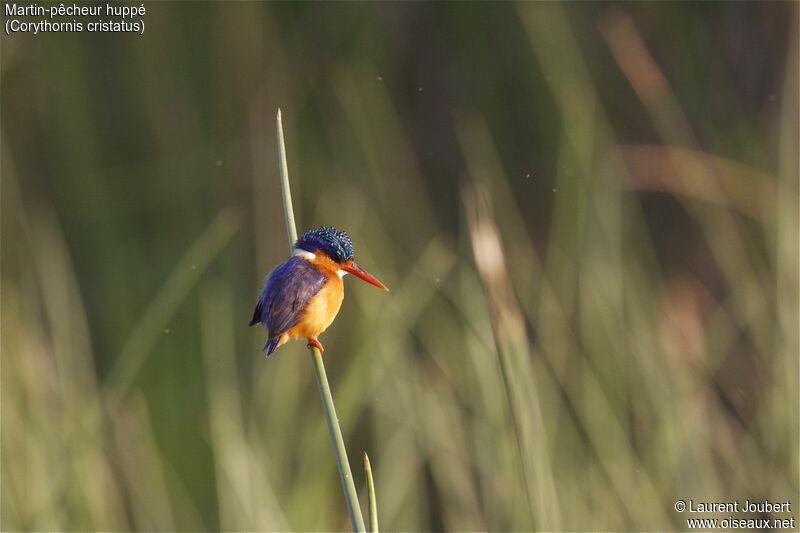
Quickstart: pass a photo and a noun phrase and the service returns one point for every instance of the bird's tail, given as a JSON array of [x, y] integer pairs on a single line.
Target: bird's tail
[[258, 313], [271, 345]]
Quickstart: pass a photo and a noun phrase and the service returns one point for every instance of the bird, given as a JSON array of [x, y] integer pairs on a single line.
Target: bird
[[302, 295]]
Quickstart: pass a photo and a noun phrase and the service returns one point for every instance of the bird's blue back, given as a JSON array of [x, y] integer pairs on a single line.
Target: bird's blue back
[[286, 293]]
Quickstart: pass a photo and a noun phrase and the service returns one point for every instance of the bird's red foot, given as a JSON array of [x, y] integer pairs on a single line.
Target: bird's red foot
[[315, 342]]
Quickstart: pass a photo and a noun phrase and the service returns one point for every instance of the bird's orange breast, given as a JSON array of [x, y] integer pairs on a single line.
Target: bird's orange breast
[[322, 308]]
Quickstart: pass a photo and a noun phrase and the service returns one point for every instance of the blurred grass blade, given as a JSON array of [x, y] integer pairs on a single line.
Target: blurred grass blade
[[373, 504], [177, 287], [515, 362], [247, 501], [349, 487]]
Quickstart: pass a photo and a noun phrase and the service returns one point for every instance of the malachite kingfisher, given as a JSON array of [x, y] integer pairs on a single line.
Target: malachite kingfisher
[[302, 295]]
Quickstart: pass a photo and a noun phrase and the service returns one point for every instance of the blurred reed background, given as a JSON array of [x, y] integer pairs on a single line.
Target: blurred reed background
[[587, 214]]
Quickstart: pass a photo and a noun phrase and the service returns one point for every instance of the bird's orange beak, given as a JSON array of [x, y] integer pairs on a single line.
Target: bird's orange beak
[[356, 270]]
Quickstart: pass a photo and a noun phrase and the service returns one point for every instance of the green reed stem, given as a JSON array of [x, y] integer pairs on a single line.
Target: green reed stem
[[286, 191], [373, 504], [350, 493]]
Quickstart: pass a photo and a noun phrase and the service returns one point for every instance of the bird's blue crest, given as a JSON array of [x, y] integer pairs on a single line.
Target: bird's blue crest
[[336, 244]]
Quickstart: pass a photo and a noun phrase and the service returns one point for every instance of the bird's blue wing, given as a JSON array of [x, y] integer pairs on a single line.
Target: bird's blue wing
[[286, 292]]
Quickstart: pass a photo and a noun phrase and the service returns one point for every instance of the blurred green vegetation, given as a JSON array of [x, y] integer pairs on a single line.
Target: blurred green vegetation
[[587, 214]]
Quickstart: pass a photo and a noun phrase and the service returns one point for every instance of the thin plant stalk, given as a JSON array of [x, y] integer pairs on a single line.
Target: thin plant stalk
[[348, 486], [373, 504], [286, 191]]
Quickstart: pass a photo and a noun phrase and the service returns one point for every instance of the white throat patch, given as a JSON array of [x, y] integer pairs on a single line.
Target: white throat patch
[[308, 256]]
